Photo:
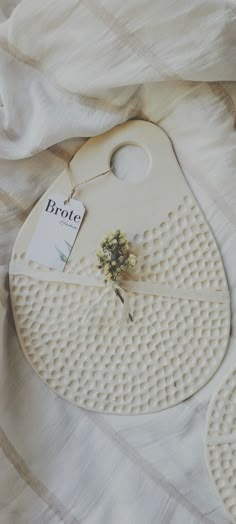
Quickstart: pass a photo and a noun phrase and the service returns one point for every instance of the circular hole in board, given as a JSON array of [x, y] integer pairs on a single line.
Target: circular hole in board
[[130, 163]]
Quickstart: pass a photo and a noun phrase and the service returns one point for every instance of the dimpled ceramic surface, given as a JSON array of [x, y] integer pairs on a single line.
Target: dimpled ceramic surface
[[72, 334], [221, 442], [171, 349]]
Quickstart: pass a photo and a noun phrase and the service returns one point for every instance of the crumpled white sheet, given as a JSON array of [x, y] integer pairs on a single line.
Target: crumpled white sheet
[[73, 69]]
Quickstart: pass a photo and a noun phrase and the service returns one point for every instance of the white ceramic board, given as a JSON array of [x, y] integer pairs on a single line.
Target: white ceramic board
[[181, 328], [221, 442]]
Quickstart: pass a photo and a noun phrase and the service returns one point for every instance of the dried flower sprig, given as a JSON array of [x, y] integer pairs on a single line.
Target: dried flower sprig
[[114, 259]]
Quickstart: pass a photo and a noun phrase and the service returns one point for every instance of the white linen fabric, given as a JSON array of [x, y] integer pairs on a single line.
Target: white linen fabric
[[70, 69]]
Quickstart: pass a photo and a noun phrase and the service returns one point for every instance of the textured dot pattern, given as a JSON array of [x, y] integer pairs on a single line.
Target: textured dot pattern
[[221, 457], [73, 337]]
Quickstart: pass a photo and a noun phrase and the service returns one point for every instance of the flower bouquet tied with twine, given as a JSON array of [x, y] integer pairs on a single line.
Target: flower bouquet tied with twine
[[115, 260]]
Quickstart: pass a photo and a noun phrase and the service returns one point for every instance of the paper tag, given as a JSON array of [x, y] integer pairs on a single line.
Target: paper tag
[[56, 231]]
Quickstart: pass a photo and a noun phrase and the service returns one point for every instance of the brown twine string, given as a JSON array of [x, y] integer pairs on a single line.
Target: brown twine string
[[74, 187]]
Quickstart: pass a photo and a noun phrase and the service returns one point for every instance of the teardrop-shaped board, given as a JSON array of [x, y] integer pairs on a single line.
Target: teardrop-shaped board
[[221, 442], [178, 337]]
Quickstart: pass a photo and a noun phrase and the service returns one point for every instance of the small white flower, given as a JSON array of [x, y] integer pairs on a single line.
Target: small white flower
[[132, 260]]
